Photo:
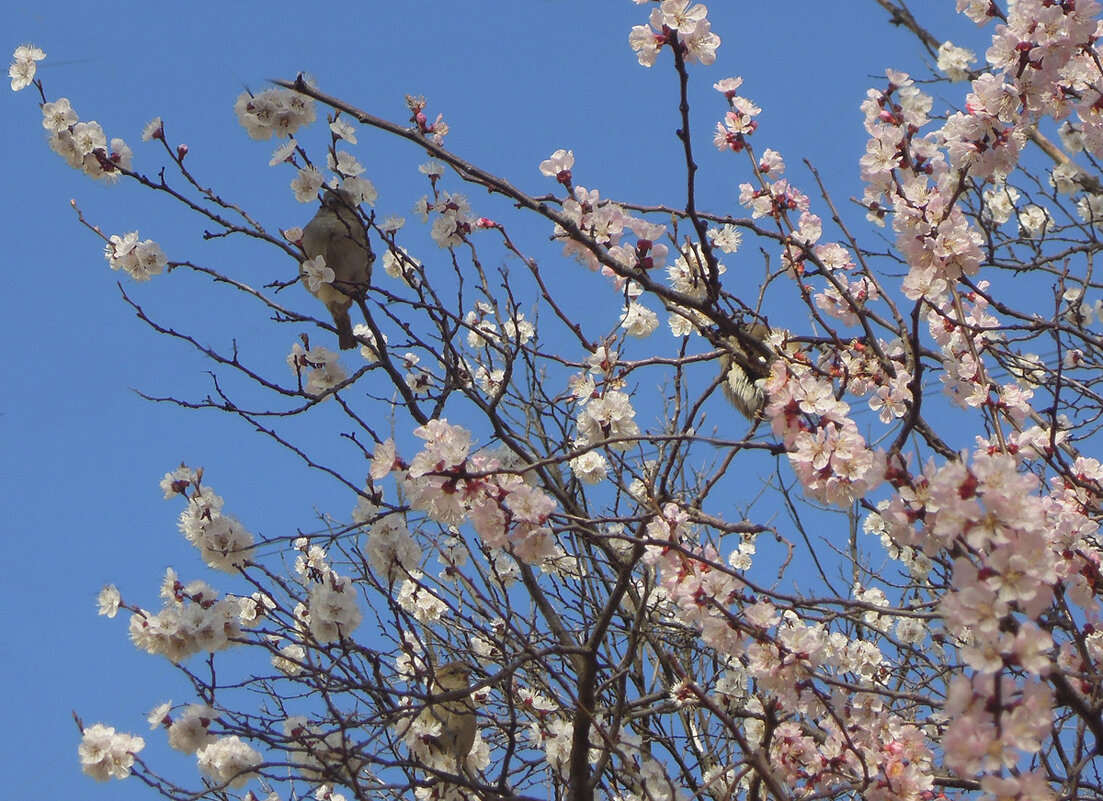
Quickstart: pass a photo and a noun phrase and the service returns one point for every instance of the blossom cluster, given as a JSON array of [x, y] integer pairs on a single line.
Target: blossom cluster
[[678, 23], [320, 366], [453, 219], [24, 66], [193, 619], [909, 174], [140, 260], [189, 730], [482, 330], [1043, 62], [602, 220], [783, 656], [739, 122], [451, 485], [227, 760], [107, 754], [607, 418], [694, 584], [1015, 545], [689, 275], [434, 131], [332, 610], [273, 112], [830, 456], [83, 145], [392, 550], [608, 224], [309, 181], [966, 379], [222, 541]]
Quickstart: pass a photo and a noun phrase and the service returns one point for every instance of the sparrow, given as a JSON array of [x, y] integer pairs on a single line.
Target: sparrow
[[336, 234], [456, 717], [744, 366]]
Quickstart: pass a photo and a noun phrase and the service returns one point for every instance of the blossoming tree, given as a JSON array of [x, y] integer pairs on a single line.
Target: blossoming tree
[[908, 609]]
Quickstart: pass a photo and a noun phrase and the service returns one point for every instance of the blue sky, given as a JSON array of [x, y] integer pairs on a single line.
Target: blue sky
[[515, 79]]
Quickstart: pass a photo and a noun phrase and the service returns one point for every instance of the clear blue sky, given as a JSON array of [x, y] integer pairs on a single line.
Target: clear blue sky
[[516, 79]]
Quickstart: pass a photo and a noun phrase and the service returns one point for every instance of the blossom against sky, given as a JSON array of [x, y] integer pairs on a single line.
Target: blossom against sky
[[83, 453]]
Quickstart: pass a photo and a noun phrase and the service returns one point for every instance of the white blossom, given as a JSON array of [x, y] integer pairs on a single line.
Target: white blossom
[[955, 61], [229, 760], [273, 112], [107, 754], [332, 610], [140, 260]]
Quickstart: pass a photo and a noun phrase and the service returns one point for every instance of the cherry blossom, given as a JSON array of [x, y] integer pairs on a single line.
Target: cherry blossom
[[107, 754]]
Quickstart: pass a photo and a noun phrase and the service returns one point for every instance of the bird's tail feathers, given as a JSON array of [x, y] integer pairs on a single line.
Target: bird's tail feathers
[[345, 338]]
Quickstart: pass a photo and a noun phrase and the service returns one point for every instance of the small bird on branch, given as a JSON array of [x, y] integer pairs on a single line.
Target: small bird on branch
[[452, 723], [337, 235], [745, 365]]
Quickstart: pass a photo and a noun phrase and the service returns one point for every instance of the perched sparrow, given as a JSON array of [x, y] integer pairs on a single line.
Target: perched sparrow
[[337, 235], [456, 717], [745, 366]]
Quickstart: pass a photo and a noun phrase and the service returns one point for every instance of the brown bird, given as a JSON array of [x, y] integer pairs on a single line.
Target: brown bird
[[456, 717], [744, 368], [337, 234]]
